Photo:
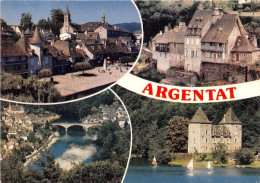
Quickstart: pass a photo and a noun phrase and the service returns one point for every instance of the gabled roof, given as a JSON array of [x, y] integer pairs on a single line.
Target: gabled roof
[[23, 42], [91, 26], [36, 39], [171, 37], [63, 46], [244, 45], [10, 49], [221, 30], [230, 118], [199, 19], [200, 117]]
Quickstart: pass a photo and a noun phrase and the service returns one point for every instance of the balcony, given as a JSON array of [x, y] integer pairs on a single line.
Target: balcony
[[162, 49], [212, 48]]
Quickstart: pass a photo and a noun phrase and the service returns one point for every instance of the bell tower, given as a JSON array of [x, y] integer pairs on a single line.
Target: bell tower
[[66, 19]]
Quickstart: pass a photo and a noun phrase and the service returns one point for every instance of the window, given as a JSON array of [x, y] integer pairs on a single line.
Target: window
[[187, 53], [206, 141], [206, 132], [206, 148], [188, 41], [191, 41], [195, 53], [192, 53], [220, 44], [165, 55], [235, 140], [223, 55], [197, 41], [194, 141]]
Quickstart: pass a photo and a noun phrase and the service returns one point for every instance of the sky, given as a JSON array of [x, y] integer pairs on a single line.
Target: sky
[[120, 11]]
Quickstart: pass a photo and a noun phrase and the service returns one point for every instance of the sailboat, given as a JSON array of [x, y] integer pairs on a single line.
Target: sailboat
[[190, 165], [154, 162], [210, 167]]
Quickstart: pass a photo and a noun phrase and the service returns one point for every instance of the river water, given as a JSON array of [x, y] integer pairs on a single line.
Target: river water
[[75, 146], [144, 172]]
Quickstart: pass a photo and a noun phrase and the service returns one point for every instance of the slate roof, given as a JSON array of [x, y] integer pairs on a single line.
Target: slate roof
[[199, 20], [96, 48], [63, 46], [244, 45], [200, 117], [56, 53], [171, 37], [230, 118], [23, 42], [91, 26], [92, 35], [36, 39], [10, 49], [220, 31]]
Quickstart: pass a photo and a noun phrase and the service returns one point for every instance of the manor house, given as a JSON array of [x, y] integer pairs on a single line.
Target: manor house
[[210, 37], [203, 136]]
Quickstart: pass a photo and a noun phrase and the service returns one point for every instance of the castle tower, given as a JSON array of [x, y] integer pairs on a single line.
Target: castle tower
[[232, 123], [103, 18], [199, 133], [36, 44]]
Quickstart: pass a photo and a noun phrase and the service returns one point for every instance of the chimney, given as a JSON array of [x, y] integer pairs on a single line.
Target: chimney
[[160, 32], [166, 28], [200, 7], [253, 40]]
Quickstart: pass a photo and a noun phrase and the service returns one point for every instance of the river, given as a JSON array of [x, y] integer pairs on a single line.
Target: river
[[75, 146], [143, 172]]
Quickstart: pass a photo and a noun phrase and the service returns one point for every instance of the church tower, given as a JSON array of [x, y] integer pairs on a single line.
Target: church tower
[[66, 19], [103, 18], [66, 28]]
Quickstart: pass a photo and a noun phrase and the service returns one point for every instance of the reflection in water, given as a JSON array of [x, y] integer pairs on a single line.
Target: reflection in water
[[168, 174], [75, 146]]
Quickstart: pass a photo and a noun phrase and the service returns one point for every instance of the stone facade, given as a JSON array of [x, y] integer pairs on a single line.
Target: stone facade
[[203, 136], [210, 36]]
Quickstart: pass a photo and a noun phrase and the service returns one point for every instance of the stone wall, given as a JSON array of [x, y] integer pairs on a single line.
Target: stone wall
[[232, 73]]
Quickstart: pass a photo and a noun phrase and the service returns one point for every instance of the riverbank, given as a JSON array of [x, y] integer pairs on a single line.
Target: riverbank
[[232, 164], [37, 152]]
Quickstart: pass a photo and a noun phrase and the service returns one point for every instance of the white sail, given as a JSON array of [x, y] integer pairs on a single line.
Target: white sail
[[190, 165], [209, 166]]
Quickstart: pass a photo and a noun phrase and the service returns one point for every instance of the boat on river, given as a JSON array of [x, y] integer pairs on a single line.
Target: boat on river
[[190, 165], [154, 162]]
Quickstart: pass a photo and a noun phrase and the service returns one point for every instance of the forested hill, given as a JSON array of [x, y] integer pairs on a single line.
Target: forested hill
[[150, 119], [133, 26]]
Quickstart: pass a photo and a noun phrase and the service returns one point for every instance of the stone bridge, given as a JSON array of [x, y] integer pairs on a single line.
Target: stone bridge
[[84, 125]]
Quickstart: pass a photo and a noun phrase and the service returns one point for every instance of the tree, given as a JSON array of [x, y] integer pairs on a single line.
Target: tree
[[177, 134], [51, 170], [57, 19], [220, 154], [244, 156], [26, 21], [82, 66], [42, 24], [43, 73]]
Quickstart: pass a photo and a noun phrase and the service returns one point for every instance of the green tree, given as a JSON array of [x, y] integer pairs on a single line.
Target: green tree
[[177, 134], [244, 156], [99, 172], [57, 19], [26, 21], [82, 66], [43, 73], [42, 24], [220, 154], [51, 171]]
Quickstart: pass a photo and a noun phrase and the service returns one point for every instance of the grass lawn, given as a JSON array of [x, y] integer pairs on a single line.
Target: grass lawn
[[184, 163]]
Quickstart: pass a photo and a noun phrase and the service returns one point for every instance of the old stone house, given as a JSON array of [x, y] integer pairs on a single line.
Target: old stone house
[[168, 47], [203, 136], [210, 37]]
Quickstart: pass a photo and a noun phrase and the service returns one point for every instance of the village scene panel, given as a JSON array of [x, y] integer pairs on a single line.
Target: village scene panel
[[200, 43], [179, 142], [63, 54], [55, 143]]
